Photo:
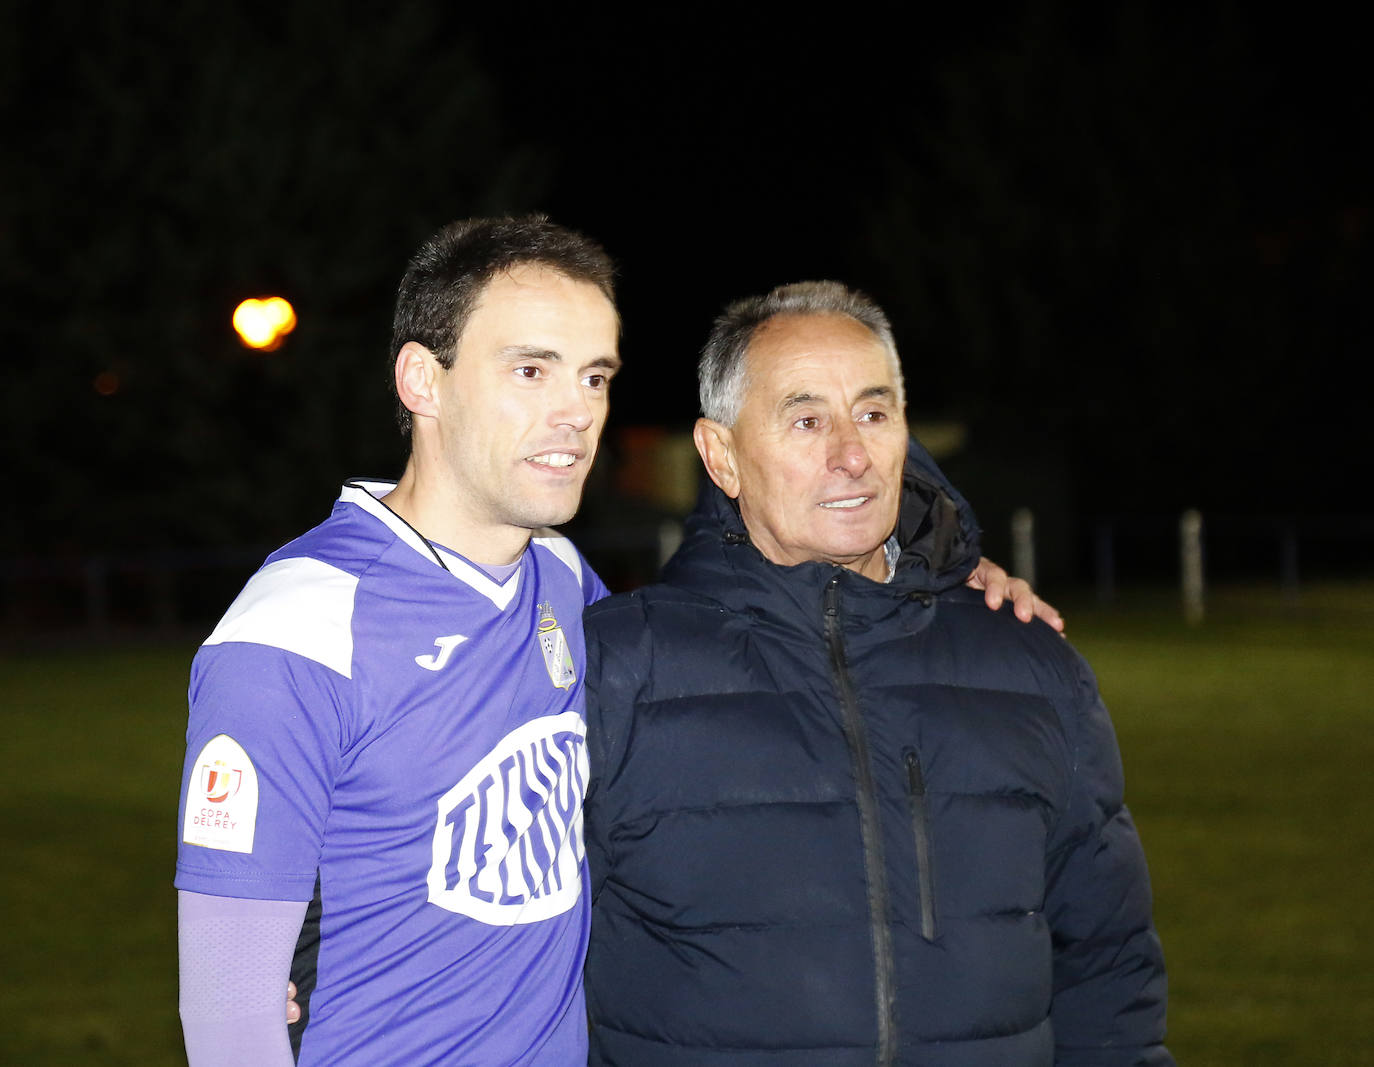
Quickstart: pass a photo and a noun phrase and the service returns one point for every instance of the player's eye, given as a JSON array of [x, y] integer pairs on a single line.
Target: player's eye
[[527, 370], [595, 381]]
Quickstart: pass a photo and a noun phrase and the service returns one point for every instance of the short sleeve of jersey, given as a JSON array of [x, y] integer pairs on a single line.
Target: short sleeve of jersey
[[593, 588], [266, 729]]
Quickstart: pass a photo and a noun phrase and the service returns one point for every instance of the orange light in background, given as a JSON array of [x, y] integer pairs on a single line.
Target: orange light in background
[[106, 383], [264, 324]]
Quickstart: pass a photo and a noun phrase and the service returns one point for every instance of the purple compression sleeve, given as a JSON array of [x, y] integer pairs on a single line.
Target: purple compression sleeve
[[235, 962]]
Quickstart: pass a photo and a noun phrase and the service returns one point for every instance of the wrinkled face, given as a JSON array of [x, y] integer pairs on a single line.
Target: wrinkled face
[[815, 457], [526, 398]]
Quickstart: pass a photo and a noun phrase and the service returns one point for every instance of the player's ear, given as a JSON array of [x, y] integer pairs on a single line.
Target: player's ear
[[716, 446], [417, 379]]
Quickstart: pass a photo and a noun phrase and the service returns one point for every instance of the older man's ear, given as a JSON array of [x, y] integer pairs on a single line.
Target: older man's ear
[[715, 445]]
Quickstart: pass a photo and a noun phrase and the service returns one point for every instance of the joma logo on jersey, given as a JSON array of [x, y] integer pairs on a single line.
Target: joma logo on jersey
[[554, 644], [436, 661], [508, 837]]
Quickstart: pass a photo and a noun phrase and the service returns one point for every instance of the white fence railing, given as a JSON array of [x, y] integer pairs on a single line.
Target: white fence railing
[[171, 591]]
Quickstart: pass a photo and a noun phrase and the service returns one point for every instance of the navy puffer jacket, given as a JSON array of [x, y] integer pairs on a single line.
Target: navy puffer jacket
[[833, 821]]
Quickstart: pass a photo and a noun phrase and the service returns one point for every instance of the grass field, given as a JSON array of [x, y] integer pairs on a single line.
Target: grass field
[[1248, 749]]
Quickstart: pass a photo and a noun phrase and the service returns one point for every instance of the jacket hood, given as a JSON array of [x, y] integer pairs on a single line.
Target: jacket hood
[[937, 534]]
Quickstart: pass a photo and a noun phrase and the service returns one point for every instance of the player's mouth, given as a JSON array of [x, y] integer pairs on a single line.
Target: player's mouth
[[554, 459], [847, 503]]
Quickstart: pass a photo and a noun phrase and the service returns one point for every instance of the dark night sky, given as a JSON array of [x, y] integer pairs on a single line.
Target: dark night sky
[[714, 162], [1130, 250], [717, 161]]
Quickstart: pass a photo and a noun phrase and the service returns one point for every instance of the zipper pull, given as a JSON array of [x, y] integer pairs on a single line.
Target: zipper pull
[[832, 596], [915, 780]]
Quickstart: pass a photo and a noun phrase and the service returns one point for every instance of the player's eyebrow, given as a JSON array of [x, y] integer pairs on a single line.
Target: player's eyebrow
[[516, 353], [610, 363], [878, 392]]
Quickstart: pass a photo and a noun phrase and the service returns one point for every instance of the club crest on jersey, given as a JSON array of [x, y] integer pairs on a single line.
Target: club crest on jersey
[[554, 644]]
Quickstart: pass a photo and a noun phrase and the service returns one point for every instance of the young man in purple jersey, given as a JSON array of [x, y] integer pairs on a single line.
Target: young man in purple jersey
[[385, 759], [387, 728]]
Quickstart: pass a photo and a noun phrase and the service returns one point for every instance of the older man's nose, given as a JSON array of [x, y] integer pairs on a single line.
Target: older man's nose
[[847, 451]]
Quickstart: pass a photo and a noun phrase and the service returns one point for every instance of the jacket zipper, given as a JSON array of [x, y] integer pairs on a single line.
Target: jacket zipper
[[920, 829], [875, 867]]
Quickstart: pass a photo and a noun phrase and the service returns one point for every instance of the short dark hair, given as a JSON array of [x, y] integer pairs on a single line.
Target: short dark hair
[[722, 370], [448, 273]]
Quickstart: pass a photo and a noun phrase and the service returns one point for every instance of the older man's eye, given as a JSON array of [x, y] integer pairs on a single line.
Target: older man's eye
[[873, 416], [807, 422]]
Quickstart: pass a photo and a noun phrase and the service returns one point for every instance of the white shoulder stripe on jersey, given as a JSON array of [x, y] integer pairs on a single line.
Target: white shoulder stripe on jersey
[[561, 547], [299, 605]]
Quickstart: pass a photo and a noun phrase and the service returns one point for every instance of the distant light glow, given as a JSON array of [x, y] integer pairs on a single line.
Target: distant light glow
[[106, 383], [263, 324]]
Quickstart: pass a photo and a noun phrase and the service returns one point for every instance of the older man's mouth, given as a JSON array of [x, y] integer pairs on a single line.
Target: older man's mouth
[[848, 502]]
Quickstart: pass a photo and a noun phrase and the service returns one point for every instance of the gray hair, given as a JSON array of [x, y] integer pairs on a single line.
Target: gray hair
[[721, 371]]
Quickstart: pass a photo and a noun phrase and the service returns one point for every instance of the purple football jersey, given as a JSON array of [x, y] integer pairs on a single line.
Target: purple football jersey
[[376, 716]]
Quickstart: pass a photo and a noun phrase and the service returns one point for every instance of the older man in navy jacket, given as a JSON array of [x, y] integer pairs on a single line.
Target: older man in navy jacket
[[840, 813]]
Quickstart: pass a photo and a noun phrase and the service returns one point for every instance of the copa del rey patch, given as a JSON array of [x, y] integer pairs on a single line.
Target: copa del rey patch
[[221, 798]]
